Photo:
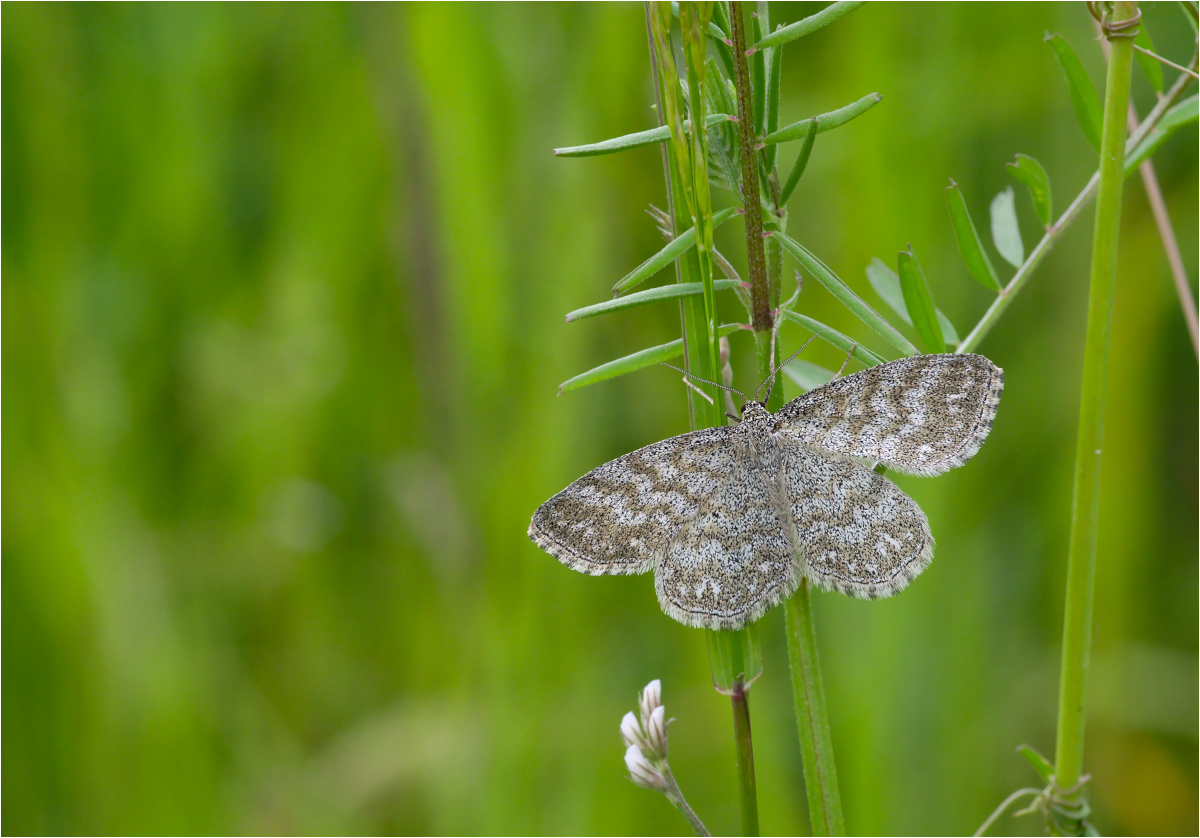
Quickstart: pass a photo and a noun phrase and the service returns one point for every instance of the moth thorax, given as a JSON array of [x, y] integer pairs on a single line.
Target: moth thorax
[[756, 426]]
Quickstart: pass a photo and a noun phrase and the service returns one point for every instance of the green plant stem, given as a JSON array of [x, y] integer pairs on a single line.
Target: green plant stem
[[1085, 507], [1035, 257], [812, 718], [675, 795], [747, 786]]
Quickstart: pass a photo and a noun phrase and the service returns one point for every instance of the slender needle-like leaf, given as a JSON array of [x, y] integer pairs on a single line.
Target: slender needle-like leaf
[[826, 121], [833, 337], [650, 295], [1084, 99], [632, 363], [668, 254], [845, 296], [801, 162], [1031, 173], [918, 301], [641, 138], [886, 284], [1006, 234], [806, 26]]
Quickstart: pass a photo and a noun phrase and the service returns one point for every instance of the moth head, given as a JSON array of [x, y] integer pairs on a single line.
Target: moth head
[[754, 410]]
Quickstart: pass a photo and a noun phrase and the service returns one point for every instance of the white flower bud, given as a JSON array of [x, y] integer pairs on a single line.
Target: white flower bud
[[650, 698], [642, 772], [656, 731], [631, 734]]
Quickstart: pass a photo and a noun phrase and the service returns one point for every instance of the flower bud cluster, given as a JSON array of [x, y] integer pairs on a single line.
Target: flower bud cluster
[[646, 739]]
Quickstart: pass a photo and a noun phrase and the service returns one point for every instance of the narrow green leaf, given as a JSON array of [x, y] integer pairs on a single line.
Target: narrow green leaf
[[774, 79], [918, 301], [1184, 113], [1040, 764], [886, 284], [833, 337], [1084, 98], [1150, 67], [631, 363], [969, 243], [826, 121], [801, 163], [845, 296], [807, 376], [1006, 235], [650, 295], [680, 245], [758, 77], [1031, 173], [641, 138], [806, 26]]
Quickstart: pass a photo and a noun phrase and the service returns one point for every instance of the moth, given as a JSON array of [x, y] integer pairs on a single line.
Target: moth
[[731, 519]]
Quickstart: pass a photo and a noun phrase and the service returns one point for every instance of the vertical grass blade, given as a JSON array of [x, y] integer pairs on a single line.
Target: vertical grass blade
[[1006, 233], [1031, 173], [1084, 99], [918, 300], [969, 244]]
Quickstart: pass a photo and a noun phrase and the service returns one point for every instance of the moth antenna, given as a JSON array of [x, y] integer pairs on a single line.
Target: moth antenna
[[846, 362], [704, 380], [771, 377]]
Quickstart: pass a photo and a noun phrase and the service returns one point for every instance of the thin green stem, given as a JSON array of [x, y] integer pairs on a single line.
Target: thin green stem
[[812, 719], [747, 786], [1085, 507], [1005, 298], [675, 795]]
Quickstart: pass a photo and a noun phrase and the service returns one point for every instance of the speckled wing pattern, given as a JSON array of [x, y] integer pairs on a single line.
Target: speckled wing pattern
[[858, 533], [731, 519], [615, 517], [735, 558], [922, 415]]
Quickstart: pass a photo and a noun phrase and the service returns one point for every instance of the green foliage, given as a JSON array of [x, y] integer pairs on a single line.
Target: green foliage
[[840, 290], [1084, 99], [632, 363], [825, 122], [967, 237], [674, 249], [886, 284], [1006, 232], [1031, 173], [918, 301]]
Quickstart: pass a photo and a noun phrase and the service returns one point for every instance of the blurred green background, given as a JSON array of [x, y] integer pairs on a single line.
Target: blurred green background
[[284, 291]]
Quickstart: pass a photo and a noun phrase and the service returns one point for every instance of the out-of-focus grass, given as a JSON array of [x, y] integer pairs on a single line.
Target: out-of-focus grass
[[282, 330]]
